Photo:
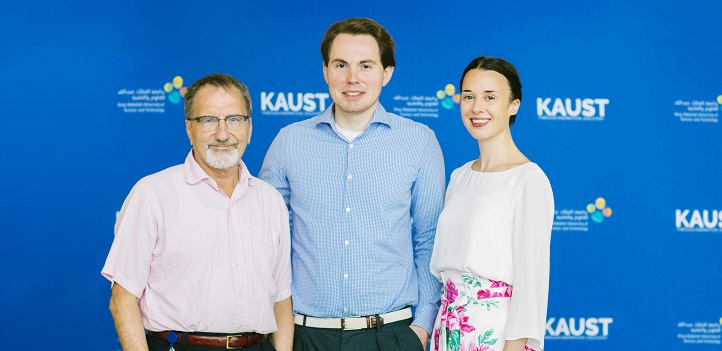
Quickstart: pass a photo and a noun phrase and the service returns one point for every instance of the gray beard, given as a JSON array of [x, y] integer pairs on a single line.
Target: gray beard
[[222, 159]]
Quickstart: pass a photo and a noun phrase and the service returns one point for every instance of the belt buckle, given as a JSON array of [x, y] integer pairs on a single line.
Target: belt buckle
[[228, 342], [343, 323], [371, 321]]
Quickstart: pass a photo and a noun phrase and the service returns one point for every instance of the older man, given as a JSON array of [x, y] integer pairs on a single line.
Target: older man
[[201, 251], [366, 188]]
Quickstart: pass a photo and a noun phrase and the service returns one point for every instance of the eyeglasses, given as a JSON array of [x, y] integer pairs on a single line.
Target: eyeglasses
[[233, 122]]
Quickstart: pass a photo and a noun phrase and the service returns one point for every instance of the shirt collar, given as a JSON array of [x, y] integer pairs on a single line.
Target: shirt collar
[[195, 174], [380, 116]]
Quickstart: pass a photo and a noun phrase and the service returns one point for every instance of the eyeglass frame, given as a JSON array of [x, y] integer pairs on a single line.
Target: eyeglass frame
[[218, 121]]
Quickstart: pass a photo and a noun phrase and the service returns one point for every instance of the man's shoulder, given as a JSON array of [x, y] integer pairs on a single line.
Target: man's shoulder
[[303, 124], [265, 189], [262, 184], [301, 131], [408, 128], [405, 123], [161, 177]]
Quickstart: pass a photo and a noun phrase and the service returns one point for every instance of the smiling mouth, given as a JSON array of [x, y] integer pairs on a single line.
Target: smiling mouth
[[479, 122], [353, 93]]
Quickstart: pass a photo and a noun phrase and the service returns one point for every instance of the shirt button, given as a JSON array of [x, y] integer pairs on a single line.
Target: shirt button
[[345, 242], [345, 276], [238, 264], [345, 309], [348, 209], [240, 295], [350, 146], [349, 177]]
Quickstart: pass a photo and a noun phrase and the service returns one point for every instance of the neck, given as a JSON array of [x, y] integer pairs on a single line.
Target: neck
[[226, 179], [224, 176], [498, 154], [356, 122]]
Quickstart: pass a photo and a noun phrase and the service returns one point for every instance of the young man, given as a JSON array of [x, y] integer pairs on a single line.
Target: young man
[[365, 188]]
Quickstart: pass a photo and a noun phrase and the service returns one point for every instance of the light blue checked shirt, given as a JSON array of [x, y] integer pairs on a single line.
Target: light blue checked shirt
[[364, 215]]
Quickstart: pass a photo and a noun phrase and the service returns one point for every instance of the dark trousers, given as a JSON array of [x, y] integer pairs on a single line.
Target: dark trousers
[[388, 337], [163, 345]]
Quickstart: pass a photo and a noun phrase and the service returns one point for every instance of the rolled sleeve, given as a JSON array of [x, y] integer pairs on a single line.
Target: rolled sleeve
[[129, 260]]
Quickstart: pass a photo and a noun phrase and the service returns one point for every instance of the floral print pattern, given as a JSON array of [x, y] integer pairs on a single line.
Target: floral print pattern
[[453, 331]]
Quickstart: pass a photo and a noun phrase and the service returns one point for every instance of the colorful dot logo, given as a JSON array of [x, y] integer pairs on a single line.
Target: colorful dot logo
[[175, 90], [448, 96], [719, 99], [599, 210]]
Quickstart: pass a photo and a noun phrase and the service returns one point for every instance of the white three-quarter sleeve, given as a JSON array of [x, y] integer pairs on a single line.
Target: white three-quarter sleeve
[[533, 218]]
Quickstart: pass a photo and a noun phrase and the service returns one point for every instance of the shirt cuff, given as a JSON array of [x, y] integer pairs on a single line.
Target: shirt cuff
[[283, 294], [425, 316]]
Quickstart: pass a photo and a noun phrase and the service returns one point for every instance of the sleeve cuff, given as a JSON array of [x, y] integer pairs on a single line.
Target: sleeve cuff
[[283, 294], [425, 316]]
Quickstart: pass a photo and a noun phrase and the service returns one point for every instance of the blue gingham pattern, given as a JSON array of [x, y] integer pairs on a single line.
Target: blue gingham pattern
[[364, 215]]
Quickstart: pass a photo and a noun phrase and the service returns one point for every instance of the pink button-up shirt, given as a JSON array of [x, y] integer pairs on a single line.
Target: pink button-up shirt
[[198, 260]]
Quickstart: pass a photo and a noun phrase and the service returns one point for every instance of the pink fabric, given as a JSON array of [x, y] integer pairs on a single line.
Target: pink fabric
[[198, 260]]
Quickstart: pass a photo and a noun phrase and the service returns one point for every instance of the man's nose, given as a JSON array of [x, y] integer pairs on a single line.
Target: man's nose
[[352, 77], [222, 130]]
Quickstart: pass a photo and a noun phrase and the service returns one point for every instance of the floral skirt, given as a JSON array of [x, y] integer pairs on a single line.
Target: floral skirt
[[472, 315]]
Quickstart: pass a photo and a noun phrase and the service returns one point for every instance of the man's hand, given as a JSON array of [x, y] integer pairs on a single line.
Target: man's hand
[[421, 333]]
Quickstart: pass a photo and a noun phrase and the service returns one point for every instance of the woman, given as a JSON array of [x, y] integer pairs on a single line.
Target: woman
[[492, 240]]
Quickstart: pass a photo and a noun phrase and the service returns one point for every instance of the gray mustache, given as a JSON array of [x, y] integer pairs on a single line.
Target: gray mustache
[[222, 143]]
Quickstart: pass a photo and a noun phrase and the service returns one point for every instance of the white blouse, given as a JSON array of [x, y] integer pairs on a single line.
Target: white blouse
[[498, 225]]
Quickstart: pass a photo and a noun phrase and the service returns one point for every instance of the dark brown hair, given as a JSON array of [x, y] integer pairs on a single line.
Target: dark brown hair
[[361, 26]]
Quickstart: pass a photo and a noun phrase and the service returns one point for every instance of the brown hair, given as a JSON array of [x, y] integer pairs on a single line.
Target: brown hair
[[361, 26]]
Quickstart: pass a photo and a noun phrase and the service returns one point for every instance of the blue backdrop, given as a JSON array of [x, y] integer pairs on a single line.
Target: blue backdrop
[[621, 108]]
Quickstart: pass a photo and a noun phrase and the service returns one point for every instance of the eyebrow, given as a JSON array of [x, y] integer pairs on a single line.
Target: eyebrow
[[486, 91], [346, 62]]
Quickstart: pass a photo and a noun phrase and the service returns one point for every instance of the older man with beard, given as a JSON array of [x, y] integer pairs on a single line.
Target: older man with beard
[[201, 256]]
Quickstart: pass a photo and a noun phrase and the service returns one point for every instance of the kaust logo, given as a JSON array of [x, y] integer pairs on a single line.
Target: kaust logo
[[175, 89], [448, 96], [293, 104], [700, 332], [151, 100], [599, 210], [571, 109], [578, 328], [698, 221], [574, 219]]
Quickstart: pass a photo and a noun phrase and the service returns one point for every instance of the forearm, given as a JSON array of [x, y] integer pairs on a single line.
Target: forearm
[[125, 309], [282, 339], [515, 345]]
